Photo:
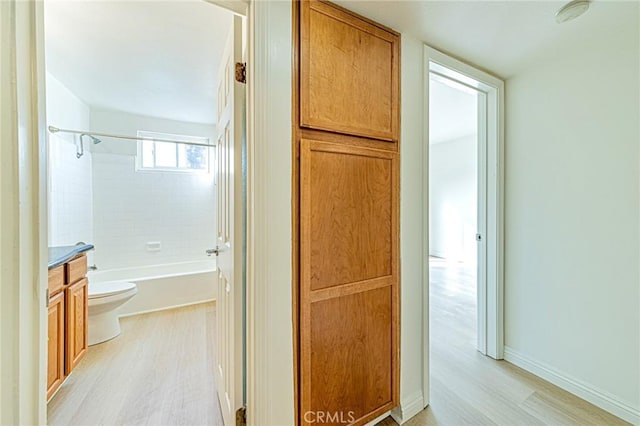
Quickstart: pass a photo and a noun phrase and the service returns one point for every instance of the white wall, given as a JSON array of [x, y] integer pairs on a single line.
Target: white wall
[[270, 362], [133, 208], [572, 279], [70, 189], [453, 198], [412, 335]]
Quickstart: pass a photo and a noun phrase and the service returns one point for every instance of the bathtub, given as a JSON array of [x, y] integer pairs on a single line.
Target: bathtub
[[164, 286]]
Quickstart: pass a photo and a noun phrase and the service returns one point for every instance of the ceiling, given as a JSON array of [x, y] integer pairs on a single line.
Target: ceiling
[[156, 59], [503, 37], [452, 112], [161, 58]]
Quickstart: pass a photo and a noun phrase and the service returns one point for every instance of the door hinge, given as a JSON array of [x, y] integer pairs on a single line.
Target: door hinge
[[241, 72], [241, 416], [46, 297]]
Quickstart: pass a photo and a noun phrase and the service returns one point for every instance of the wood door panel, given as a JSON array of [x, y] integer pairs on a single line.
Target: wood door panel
[[55, 344], [345, 216], [348, 209], [349, 275], [350, 368], [349, 74], [77, 325]]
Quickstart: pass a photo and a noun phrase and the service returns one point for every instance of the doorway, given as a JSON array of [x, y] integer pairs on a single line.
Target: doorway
[[141, 166], [454, 201], [268, 270], [464, 250]]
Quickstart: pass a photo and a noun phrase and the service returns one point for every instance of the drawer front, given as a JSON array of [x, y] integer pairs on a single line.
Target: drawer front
[[76, 269], [56, 280]]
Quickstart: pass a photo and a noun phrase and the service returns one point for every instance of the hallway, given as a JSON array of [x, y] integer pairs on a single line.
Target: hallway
[[468, 388]]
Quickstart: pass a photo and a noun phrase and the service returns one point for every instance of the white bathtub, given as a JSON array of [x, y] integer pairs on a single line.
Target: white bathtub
[[164, 286]]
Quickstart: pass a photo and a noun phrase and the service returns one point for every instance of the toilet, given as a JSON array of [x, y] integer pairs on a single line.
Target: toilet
[[104, 300]]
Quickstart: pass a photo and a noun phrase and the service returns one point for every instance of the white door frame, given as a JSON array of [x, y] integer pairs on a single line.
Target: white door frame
[[491, 218], [23, 214], [270, 382], [23, 276]]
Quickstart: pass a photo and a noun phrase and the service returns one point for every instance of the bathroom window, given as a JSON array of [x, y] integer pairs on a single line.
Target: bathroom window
[[154, 154]]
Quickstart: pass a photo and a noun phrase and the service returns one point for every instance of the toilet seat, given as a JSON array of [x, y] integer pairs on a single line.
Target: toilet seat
[[109, 288]]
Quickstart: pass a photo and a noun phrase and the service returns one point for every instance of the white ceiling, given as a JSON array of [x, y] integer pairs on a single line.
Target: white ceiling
[[452, 112], [161, 58], [157, 59], [503, 37]]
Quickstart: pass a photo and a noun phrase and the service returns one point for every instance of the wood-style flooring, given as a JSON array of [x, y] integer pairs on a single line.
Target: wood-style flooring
[[159, 371], [468, 388]]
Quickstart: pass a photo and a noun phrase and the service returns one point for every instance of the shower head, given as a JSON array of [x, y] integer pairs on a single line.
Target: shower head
[[80, 151]]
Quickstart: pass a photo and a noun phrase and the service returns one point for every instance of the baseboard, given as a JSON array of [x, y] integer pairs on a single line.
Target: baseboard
[[408, 408], [597, 397], [378, 419], [166, 308]]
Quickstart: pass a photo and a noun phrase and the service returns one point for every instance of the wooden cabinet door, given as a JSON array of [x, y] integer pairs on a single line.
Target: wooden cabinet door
[[349, 276], [55, 344], [348, 73], [346, 216], [76, 323]]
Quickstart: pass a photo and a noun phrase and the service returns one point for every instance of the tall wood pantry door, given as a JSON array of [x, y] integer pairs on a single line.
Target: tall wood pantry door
[[346, 177]]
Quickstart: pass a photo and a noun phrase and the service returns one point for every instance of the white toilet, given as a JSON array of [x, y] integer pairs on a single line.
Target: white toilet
[[104, 300]]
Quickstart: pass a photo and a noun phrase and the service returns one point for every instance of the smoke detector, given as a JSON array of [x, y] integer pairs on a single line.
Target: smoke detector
[[572, 10]]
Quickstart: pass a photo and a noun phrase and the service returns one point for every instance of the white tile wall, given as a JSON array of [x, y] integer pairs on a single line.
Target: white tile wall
[[70, 187], [133, 208], [70, 195], [100, 198]]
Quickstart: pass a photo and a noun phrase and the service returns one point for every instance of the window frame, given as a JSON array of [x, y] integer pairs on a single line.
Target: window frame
[[144, 135]]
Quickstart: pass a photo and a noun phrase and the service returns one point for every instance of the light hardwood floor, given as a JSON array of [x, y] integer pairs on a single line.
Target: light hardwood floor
[[159, 371], [468, 388]]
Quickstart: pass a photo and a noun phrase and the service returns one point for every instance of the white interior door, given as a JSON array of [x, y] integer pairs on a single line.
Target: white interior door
[[229, 337]]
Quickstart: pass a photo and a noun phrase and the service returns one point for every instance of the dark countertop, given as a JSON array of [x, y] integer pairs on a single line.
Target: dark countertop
[[60, 255]]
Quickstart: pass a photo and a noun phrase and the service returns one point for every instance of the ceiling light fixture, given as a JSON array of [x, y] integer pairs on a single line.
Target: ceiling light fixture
[[572, 10]]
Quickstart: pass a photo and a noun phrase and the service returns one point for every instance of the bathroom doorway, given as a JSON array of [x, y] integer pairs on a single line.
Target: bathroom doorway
[[135, 97]]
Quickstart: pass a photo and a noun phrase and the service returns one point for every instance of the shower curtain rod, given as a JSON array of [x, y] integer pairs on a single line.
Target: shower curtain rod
[[53, 129]]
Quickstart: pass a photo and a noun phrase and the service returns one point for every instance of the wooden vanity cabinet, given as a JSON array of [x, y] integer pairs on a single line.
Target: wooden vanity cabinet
[[68, 320]]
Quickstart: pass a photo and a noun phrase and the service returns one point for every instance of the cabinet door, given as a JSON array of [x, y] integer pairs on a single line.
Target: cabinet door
[[346, 216], [77, 340], [348, 73], [55, 344], [349, 276]]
